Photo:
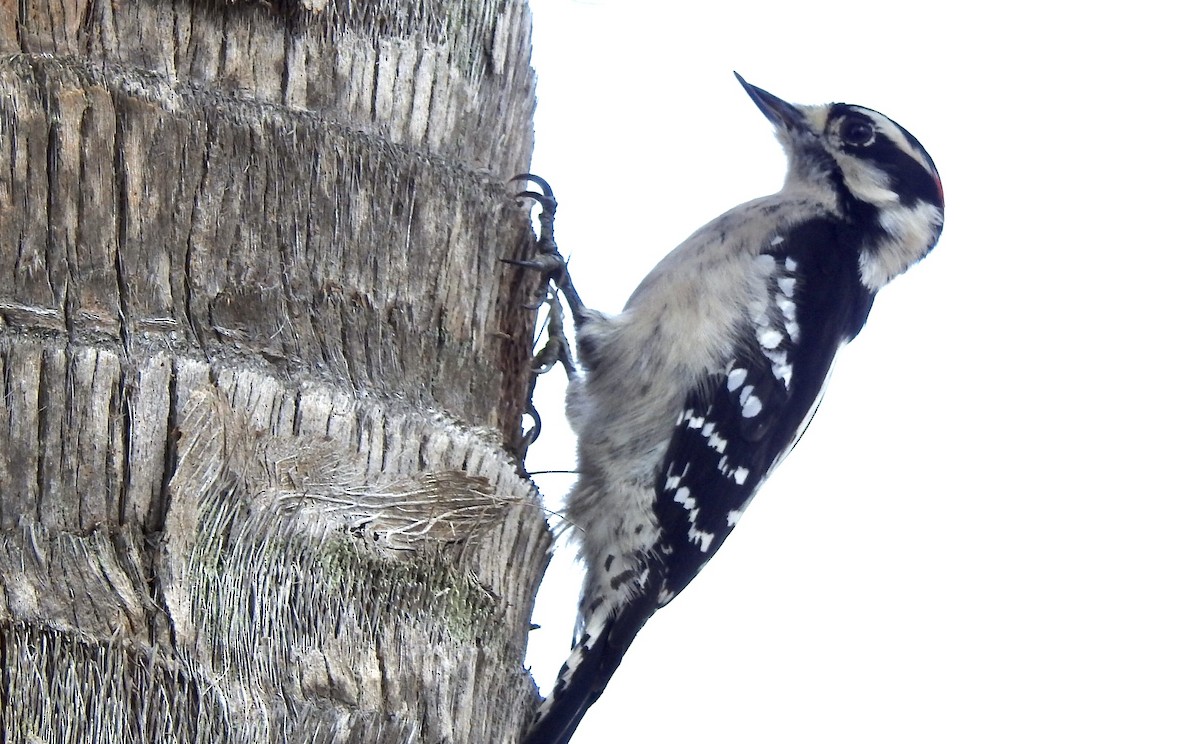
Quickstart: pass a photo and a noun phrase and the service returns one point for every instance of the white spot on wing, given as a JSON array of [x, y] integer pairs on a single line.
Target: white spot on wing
[[700, 537], [783, 373], [751, 406], [786, 306], [736, 378], [793, 331], [717, 443], [769, 338], [684, 496]]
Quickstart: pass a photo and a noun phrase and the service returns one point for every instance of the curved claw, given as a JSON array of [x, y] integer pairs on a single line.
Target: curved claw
[[538, 180], [555, 352], [536, 430], [545, 263], [548, 203]]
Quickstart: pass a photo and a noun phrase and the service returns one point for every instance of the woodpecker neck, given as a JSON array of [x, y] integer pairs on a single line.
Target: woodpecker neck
[[904, 234]]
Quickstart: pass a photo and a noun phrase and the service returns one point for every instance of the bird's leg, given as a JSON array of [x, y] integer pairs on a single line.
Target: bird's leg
[[550, 263], [556, 350], [553, 267], [548, 260]]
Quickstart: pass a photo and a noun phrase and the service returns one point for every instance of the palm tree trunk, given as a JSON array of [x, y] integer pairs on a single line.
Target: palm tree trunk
[[263, 372]]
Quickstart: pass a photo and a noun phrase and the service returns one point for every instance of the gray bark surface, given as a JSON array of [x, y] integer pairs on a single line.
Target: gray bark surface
[[263, 371]]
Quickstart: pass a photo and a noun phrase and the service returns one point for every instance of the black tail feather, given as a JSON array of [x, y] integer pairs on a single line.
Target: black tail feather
[[595, 662]]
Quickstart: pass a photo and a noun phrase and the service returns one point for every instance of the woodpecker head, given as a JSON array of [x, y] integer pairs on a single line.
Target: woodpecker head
[[888, 186]]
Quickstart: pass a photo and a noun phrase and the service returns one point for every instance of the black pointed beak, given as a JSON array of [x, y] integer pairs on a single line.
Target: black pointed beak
[[778, 111]]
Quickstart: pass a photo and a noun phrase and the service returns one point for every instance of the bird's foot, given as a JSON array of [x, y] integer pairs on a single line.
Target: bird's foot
[[549, 261]]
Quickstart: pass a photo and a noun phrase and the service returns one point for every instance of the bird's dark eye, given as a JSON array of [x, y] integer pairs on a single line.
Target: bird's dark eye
[[857, 131]]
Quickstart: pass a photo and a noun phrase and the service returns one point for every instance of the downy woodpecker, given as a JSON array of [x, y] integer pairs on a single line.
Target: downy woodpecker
[[689, 396]]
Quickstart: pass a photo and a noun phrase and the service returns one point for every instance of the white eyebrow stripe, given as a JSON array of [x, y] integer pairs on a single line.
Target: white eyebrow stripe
[[893, 132]]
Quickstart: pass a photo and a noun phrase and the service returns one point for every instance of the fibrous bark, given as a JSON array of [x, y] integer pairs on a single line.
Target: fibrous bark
[[262, 371]]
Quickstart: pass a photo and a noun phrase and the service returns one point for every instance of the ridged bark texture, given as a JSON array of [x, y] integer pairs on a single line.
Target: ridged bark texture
[[263, 371]]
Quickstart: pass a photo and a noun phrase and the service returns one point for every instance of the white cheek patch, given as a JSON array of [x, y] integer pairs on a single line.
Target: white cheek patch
[[866, 182], [909, 233]]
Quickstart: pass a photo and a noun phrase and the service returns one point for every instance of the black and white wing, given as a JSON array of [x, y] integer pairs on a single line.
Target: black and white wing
[[737, 425]]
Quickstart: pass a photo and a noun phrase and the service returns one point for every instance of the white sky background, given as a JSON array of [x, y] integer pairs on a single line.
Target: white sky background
[[991, 532]]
